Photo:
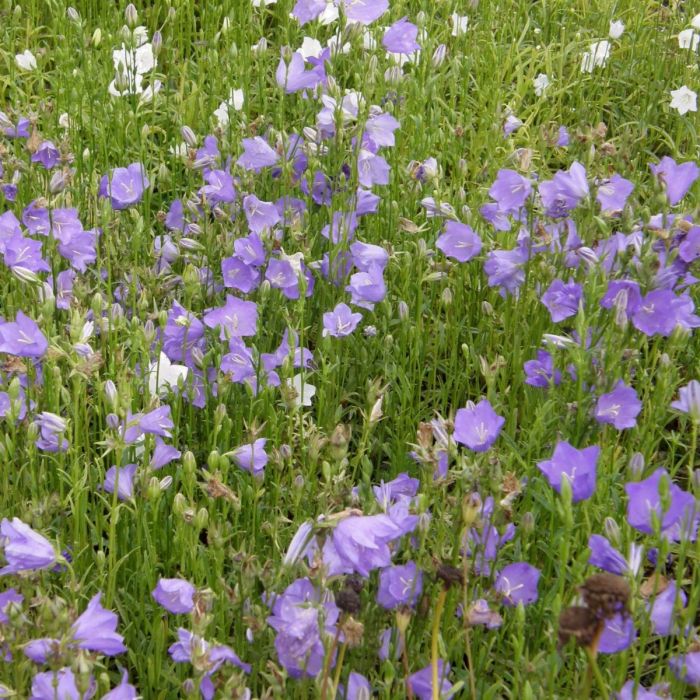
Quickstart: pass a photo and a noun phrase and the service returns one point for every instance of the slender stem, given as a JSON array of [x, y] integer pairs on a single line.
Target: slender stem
[[327, 663], [594, 669], [404, 657], [434, 643], [339, 668]]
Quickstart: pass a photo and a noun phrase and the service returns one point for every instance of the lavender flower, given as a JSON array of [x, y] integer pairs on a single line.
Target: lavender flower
[[59, 685], [689, 400], [301, 616], [123, 478], [632, 691], [399, 585], [252, 457], [257, 154], [477, 426], [401, 37], [23, 548], [7, 597], [22, 337], [676, 178], [613, 193], [578, 467], [541, 372], [123, 691], [421, 682], [191, 648], [664, 607], [618, 634], [236, 318], [95, 630], [124, 186], [517, 583], [459, 242], [175, 595], [510, 190], [686, 667], [619, 408], [645, 503], [340, 322], [562, 300]]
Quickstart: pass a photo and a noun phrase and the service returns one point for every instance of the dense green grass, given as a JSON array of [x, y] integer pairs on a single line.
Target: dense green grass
[[443, 336]]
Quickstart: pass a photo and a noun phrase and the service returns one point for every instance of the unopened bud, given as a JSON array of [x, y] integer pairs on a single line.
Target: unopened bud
[[131, 15], [439, 55]]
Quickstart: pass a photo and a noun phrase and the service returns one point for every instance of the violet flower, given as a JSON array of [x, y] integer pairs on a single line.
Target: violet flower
[[236, 318], [123, 691], [23, 548], [562, 299], [619, 408], [421, 682], [123, 478], [251, 457], [541, 372], [124, 186], [257, 154], [517, 583], [59, 685], [477, 426], [340, 322], [401, 37], [645, 504], [689, 400], [618, 634], [578, 467], [175, 595], [675, 178], [399, 585], [302, 616], [459, 242], [95, 630], [664, 609], [686, 667], [22, 337]]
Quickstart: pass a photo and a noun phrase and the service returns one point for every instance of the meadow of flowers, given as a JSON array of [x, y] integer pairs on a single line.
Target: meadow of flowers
[[348, 349]]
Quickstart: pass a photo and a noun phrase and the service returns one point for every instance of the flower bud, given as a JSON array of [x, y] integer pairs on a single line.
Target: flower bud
[[157, 42], [439, 55], [73, 15], [188, 136], [131, 15]]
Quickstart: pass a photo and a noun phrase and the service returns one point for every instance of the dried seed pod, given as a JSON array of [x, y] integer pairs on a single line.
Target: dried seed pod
[[581, 624], [449, 575], [348, 601], [606, 595]]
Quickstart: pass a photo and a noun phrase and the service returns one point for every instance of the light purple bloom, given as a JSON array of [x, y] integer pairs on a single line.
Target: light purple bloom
[[421, 682], [605, 556], [517, 583], [364, 12], [358, 686], [644, 503], [661, 311], [618, 634], [399, 585], [47, 154], [123, 691], [541, 372], [613, 193], [686, 667], [477, 426], [459, 242], [297, 616], [479, 613], [664, 609], [257, 154], [59, 685], [163, 454], [562, 300], [236, 318], [157, 422], [367, 288], [192, 648], [23, 548], [251, 457], [123, 477], [95, 630], [22, 337], [175, 595], [260, 215], [505, 269], [689, 400], [23, 253], [293, 76], [676, 178], [578, 467], [219, 188], [341, 321], [510, 190], [619, 408], [124, 186], [629, 691], [401, 37], [564, 191], [7, 597]]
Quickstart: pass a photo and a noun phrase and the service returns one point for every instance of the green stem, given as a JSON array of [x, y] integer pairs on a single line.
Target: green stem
[[439, 607]]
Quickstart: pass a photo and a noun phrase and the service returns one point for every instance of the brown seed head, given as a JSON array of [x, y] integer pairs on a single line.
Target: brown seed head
[[606, 595], [580, 623]]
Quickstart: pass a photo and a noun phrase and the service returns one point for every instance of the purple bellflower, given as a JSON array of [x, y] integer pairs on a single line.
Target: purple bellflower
[[175, 595], [477, 426], [619, 408], [578, 467]]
